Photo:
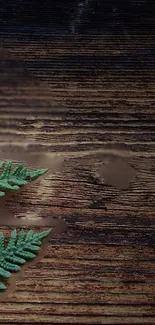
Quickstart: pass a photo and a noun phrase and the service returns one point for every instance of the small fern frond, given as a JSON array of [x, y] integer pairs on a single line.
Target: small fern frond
[[12, 240], [20, 238], [36, 173], [1, 241], [11, 180], [12, 267], [2, 286], [29, 236], [4, 273], [21, 248], [6, 170]]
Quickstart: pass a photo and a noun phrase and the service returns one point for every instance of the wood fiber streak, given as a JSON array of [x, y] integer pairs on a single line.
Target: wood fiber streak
[[102, 271]]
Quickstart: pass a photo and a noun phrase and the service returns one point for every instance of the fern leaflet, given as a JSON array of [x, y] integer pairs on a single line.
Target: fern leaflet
[[21, 248], [11, 180]]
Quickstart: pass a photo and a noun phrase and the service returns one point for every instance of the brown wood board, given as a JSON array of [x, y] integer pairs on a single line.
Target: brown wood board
[[102, 271]]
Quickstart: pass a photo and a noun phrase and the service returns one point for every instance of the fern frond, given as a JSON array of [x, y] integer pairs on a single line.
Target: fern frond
[[2, 286], [4, 273], [12, 240], [21, 248], [36, 173], [11, 180], [20, 238], [1, 241]]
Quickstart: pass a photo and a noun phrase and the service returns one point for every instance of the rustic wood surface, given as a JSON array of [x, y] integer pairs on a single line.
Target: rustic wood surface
[[102, 271]]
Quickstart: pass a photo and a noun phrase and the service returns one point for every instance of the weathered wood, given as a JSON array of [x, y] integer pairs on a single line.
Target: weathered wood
[[103, 270]]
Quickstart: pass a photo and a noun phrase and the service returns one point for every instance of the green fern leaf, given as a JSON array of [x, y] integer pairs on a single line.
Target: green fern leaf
[[12, 241], [6, 186], [16, 172], [26, 255], [29, 236], [2, 286], [1, 241], [33, 248], [40, 236], [7, 170], [21, 248], [11, 180], [4, 273], [20, 238], [36, 173], [15, 259], [9, 266]]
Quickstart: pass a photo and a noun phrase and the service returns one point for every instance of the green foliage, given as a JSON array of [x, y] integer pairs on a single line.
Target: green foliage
[[21, 248], [11, 180]]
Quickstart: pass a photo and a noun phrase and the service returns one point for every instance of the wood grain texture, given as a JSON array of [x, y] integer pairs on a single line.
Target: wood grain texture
[[103, 270]]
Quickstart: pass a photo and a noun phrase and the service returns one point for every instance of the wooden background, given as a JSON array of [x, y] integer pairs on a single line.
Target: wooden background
[[84, 91]]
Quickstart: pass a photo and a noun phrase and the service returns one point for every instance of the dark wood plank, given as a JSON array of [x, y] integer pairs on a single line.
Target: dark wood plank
[[103, 270]]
